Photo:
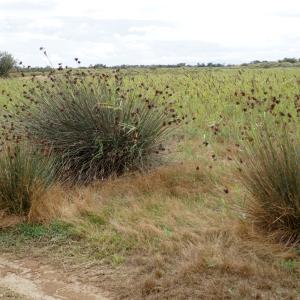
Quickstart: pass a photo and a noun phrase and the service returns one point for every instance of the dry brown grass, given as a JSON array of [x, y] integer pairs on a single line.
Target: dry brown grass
[[180, 181], [8, 220], [227, 264], [172, 233], [60, 203]]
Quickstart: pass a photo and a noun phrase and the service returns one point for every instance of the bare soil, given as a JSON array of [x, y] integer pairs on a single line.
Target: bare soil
[[28, 279]]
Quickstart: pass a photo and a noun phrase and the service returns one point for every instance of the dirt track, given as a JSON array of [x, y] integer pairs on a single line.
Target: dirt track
[[28, 279]]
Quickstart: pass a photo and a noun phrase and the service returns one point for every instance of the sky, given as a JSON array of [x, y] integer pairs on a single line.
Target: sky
[[115, 32]]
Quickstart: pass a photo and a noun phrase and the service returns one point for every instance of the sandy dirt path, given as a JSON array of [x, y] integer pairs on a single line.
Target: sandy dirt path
[[32, 280]]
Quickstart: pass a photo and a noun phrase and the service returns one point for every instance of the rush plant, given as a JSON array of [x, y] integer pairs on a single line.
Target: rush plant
[[93, 125], [25, 174], [271, 174]]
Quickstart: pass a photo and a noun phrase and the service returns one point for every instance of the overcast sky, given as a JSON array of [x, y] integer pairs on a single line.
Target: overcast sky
[[150, 31]]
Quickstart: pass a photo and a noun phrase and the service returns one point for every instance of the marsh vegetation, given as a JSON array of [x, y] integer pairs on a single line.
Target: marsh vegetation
[[186, 180]]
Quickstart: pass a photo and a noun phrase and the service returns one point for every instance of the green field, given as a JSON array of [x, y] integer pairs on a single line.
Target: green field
[[179, 230], [207, 94]]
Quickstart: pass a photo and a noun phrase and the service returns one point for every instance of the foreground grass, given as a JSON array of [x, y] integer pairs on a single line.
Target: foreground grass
[[175, 232]]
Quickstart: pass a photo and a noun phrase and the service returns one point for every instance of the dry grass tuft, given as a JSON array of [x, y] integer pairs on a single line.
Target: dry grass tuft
[[61, 202], [177, 180]]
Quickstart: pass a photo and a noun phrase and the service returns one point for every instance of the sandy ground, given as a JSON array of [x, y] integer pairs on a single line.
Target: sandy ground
[[6, 294], [30, 280]]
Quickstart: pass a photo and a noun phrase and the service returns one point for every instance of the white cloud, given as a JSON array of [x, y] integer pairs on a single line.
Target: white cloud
[[46, 23], [151, 31]]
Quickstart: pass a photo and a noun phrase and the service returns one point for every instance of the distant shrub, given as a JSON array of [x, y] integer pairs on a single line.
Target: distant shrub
[[95, 128], [7, 62], [24, 176], [272, 176]]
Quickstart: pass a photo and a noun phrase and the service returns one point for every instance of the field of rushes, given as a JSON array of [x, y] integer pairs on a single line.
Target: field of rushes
[[177, 231], [209, 97]]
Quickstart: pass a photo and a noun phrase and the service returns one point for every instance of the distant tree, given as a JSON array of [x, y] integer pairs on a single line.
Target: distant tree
[[98, 66], [254, 62], [289, 60], [7, 62]]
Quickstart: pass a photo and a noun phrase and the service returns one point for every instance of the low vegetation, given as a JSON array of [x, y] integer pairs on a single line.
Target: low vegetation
[[25, 175], [197, 226]]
